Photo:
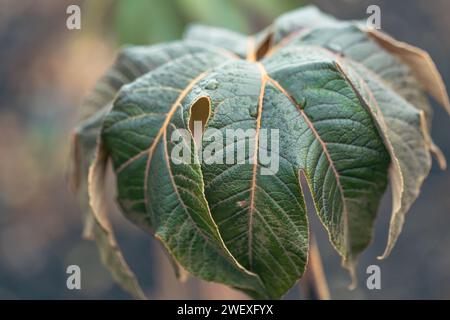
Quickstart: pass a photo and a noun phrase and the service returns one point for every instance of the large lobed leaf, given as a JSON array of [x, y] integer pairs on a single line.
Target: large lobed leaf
[[352, 113]]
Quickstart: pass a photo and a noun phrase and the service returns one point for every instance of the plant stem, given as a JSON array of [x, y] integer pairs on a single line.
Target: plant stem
[[314, 285]]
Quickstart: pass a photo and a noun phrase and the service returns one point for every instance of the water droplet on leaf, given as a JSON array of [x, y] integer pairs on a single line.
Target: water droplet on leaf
[[212, 85]]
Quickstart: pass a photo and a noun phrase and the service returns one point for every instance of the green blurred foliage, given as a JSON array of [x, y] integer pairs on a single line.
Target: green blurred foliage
[[151, 21]]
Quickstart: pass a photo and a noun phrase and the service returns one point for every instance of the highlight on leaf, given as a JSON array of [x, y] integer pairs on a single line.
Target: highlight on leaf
[[342, 106]]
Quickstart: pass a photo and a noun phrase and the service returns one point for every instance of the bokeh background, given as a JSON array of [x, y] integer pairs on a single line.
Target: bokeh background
[[46, 70]]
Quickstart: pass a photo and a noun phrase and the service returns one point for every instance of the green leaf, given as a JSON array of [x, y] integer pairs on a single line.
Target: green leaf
[[343, 157], [262, 218], [352, 42], [405, 135], [160, 196], [365, 51], [84, 148], [131, 63], [328, 100]]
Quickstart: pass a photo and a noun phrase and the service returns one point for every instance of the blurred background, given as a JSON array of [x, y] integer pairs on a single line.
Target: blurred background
[[45, 72]]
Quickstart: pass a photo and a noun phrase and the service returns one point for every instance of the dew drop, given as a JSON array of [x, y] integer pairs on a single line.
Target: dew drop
[[213, 84]]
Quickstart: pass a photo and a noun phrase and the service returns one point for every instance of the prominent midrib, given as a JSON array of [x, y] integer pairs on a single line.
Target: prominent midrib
[[255, 163], [160, 133], [264, 79], [325, 151], [361, 99], [293, 35]]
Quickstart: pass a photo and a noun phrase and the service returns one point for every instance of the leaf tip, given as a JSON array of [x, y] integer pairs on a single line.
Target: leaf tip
[[383, 256], [350, 265], [439, 155]]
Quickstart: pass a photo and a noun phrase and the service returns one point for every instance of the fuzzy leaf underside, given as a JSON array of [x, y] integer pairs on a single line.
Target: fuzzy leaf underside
[[352, 113]]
